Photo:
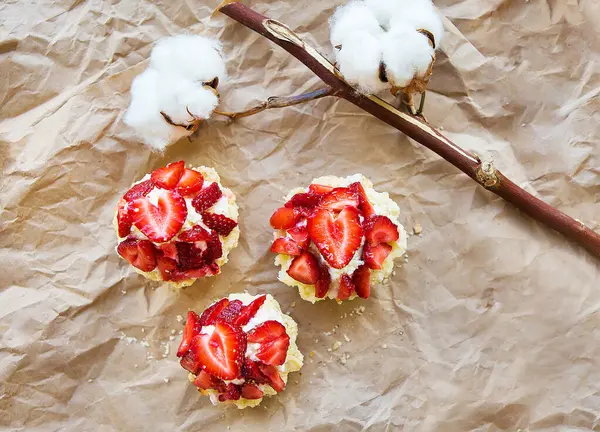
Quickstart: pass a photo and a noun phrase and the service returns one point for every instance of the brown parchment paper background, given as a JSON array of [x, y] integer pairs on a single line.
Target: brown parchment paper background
[[493, 324]]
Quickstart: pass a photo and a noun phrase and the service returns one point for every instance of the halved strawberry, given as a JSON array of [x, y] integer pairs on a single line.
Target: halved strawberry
[[251, 391], [375, 255], [230, 313], [339, 198], [190, 363], [190, 182], [307, 200], [167, 177], [266, 332], [206, 381], [287, 246], [205, 271], [220, 223], [275, 351], [273, 376], [362, 281], [169, 250], [189, 256], [232, 392], [300, 235], [322, 285], [380, 229], [191, 329], [159, 223], [209, 316], [284, 218], [124, 220], [194, 234], [364, 204], [336, 237], [305, 268], [167, 266], [139, 253], [249, 311], [319, 189], [207, 197], [346, 288], [250, 371], [220, 354], [139, 190]]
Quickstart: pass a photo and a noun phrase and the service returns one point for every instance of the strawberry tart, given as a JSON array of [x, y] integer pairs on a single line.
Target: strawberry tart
[[240, 349], [177, 224], [337, 238]]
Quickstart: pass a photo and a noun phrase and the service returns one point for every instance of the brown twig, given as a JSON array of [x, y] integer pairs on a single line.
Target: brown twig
[[482, 172], [279, 102]]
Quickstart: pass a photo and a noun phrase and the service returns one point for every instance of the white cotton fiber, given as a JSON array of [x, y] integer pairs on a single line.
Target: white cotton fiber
[[176, 95], [420, 15], [384, 10], [359, 60], [405, 54], [196, 58], [351, 18]]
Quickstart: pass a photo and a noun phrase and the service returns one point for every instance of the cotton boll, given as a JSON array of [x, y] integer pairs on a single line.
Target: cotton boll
[[419, 15], [195, 58], [406, 54], [384, 10], [351, 18], [177, 95], [359, 60]]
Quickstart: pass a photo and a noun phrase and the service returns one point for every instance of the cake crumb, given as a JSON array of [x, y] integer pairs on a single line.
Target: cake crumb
[[343, 360], [346, 338], [123, 292], [144, 343], [171, 337], [312, 353], [173, 331], [336, 346], [166, 380], [384, 346], [179, 318], [293, 305], [328, 349], [143, 330], [90, 380], [135, 366], [417, 229]]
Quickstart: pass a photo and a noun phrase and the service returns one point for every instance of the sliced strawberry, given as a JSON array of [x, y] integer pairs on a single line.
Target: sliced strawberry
[[214, 249], [232, 392], [380, 229], [124, 220], [159, 223], [364, 204], [275, 351], [190, 257], [139, 253], [139, 190], [346, 288], [248, 312], [191, 329], [230, 313], [322, 285], [168, 177], [190, 182], [169, 250], [362, 281], [196, 233], [273, 376], [266, 332], [190, 363], [300, 235], [250, 371], [336, 237], [304, 268], [307, 200], [206, 381], [339, 198], [167, 266], [319, 189], [209, 316], [287, 246], [251, 391], [207, 197], [375, 255], [221, 353], [220, 223], [284, 218], [206, 270]]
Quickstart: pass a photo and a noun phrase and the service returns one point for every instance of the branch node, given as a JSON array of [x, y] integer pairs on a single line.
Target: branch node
[[486, 175]]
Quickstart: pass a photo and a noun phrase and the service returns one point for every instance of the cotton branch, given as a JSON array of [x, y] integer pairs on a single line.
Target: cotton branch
[[483, 173]]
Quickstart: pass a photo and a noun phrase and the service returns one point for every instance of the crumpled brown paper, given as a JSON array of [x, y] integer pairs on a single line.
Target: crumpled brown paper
[[491, 325]]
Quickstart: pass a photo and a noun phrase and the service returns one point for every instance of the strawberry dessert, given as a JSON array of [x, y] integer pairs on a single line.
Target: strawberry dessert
[[337, 238], [240, 349], [177, 224]]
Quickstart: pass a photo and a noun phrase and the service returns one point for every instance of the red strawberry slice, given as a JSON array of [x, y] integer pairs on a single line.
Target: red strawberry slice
[[336, 237], [307, 200], [250, 371], [287, 246], [275, 351], [284, 218], [339, 198], [251, 391], [190, 363], [168, 177], [124, 220], [232, 392], [346, 288], [362, 281], [206, 381], [195, 234], [375, 255], [204, 271], [322, 285], [190, 182], [273, 376], [230, 313], [209, 316], [214, 249], [220, 354], [266, 332], [380, 229], [139, 253], [300, 235], [169, 250], [167, 266], [207, 197], [190, 257], [319, 189], [191, 329], [139, 190], [220, 223], [159, 223], [249, 311], [305, 268], [364, 204]]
